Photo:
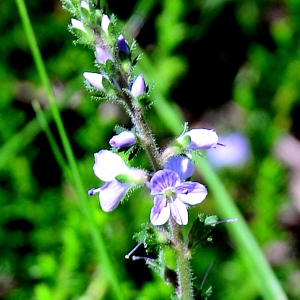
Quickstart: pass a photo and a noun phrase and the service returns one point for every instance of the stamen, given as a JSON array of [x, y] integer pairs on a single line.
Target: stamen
[[134, 257], [205, 276], [130, 253], [224, 221]]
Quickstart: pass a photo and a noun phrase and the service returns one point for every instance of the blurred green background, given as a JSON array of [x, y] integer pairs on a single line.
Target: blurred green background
[[230, 65]]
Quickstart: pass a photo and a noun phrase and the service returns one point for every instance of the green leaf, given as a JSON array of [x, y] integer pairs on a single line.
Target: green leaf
[[199, 234]]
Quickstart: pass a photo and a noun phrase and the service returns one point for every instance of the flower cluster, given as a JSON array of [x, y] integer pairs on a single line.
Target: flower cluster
[[172, 192], [169, 184]]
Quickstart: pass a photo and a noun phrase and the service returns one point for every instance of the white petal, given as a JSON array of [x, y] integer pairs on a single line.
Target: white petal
[[105, 23], [179, 212], [108, 165], [111, 193], [191, 193], [160, 212]]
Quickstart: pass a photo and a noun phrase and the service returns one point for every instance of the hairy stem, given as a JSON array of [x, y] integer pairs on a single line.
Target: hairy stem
[[147, 139], [184, 274]]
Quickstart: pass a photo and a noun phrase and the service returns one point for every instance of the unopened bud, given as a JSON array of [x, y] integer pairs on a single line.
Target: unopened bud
[[123, 139], [139, 86]]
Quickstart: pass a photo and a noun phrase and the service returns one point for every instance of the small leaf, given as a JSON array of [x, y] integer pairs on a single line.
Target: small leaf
[[154, 238], [199, 234]]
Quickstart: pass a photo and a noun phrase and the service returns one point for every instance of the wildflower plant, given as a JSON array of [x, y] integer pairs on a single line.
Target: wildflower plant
[[169, 182]]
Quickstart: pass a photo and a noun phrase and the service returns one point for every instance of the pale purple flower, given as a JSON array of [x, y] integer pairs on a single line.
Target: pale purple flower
[[172, 194], [107, 167], [105, 21], [139, 86], [102, 55], [95, 79], [122, 45], [202, 138], [124, 139], [78, 24], [236, 153]]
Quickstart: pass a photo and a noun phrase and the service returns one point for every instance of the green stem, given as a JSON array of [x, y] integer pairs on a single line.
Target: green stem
[[184, 274], [147, 139]]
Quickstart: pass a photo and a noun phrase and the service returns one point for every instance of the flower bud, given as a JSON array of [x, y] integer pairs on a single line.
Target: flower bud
[[202, 138], [139, 86], [122, 45], [85, 5], [95, 79], [102, 55], [105, 23], [78, 25], [123, 139]]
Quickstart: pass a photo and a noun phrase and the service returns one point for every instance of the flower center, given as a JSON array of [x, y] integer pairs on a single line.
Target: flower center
[[169, 193]]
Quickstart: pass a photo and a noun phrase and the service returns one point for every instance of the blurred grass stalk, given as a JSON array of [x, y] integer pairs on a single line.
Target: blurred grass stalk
[[82, 194]]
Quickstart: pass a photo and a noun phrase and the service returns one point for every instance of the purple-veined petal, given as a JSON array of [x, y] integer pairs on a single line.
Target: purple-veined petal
[[202, 138], [95, 79], [108, 165], [102, 55], [179, 212], [123, 139], [181, 165], [111, 193], [139, 86], [191, 192], [163, 179], [160, 211], [78, 24], [105, 23]]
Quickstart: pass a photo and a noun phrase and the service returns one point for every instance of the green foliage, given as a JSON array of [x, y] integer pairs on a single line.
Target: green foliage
[[199, 234]]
